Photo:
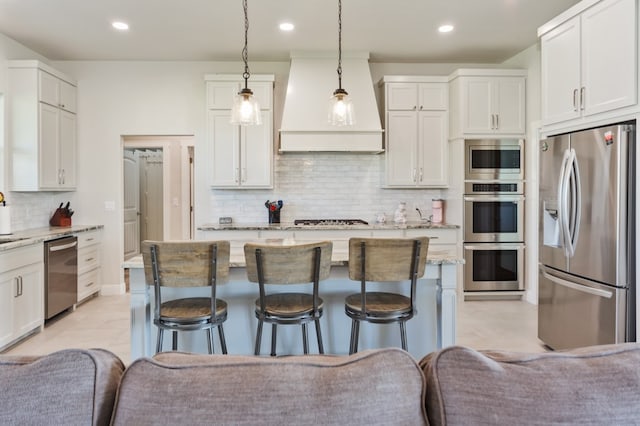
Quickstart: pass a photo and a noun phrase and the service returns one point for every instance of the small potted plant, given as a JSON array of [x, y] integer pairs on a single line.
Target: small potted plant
[[274, 208]]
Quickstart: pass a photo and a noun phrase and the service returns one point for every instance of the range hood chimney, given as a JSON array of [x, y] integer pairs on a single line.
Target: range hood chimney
[[312, 80]]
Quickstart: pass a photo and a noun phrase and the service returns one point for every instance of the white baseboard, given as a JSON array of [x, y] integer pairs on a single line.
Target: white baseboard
[[113, 289]]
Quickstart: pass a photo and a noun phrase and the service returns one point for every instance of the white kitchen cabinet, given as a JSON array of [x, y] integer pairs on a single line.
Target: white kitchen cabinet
[[589, 62], [89, 263], [487, 102], [42, 128], [21, 292], [416, 134], [240, 157]]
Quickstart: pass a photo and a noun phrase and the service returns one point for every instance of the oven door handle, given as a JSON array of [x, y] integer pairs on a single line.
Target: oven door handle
[[506, 198], [502, 246], [578, 287], [63, 247]]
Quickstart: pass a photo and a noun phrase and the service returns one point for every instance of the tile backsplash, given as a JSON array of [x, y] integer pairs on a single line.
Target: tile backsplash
[[31, 209], [323, 186]]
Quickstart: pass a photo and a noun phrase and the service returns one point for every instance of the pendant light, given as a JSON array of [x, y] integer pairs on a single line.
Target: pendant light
[[340, 106], [245, 110]]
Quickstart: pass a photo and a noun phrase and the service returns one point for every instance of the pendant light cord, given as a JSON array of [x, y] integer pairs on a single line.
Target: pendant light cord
[[339, 70], [245, 52]]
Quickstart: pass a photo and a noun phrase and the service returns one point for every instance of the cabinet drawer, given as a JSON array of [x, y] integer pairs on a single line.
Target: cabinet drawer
[[88, 283], [439, 236], [89, 238], [88, 258]]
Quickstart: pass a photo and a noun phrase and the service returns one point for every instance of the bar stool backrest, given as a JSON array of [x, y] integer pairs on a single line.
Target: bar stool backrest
[[386, 259], [292, 264], [187, 263]]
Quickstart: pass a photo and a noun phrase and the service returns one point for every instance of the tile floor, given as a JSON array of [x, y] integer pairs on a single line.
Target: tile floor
[[104, 322]]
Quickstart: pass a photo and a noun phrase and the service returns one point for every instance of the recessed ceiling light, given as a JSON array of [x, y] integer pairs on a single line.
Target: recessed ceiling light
[[445, 28], [122, 26], [287, 26]]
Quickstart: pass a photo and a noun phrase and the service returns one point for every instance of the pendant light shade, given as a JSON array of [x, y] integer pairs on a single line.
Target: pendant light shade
[[340, 105], [245, 110]]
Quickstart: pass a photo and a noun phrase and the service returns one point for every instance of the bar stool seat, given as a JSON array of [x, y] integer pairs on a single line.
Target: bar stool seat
[[384, 261], [192, 310], [272, 264]]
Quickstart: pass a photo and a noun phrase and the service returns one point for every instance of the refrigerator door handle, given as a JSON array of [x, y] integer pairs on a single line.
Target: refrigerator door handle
[[563, 205], [577, 206], [574, 286]]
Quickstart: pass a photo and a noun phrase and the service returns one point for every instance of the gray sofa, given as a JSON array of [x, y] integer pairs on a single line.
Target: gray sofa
[[597, 385]]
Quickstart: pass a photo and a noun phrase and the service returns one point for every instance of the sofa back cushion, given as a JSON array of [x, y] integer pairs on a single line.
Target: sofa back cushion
[[72, 386], [372, 387], [593, 385]]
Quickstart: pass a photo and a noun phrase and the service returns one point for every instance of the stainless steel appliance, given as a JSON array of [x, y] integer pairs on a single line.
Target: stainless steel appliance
[[493, 267], [494, 159], [494, 212], [61, 275], [587, 237]]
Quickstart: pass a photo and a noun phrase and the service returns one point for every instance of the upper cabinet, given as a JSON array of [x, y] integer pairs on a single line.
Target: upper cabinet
[[42, 128], [589, 62], [239, 156], [416, 131], [487, 102]]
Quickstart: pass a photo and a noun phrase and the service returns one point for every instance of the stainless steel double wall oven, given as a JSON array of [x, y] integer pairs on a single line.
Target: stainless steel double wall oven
[[494, 215]]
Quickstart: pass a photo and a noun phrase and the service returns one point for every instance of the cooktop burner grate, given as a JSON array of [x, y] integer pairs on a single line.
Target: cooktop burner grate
[[330, 222]]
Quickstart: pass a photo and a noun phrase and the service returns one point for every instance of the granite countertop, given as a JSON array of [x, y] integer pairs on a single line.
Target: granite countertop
[[289, 226], [38, 235]]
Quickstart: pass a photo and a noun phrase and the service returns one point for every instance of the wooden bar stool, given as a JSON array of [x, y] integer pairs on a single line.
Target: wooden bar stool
[[293, 264], [187, 264], [383, 260]]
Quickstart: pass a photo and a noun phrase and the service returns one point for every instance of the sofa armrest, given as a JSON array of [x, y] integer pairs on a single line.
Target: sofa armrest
[[372, 387], [593, 385], [73, 386]]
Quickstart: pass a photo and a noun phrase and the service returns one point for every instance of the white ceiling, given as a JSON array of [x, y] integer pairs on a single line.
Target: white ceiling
[[487, 31]]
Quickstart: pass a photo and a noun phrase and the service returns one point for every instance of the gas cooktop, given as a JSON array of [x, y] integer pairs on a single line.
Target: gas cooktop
[[329, 222]]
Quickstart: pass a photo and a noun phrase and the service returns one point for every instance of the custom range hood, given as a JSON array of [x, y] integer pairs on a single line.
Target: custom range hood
[[312, 80]]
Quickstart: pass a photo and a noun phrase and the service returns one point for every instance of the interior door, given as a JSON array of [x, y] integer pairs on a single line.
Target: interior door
[[131, 205]]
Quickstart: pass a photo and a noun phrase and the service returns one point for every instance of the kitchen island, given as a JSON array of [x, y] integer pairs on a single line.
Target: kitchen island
[[432, 328]]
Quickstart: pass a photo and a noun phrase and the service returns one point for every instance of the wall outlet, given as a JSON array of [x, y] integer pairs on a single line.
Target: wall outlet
[[225, 220]]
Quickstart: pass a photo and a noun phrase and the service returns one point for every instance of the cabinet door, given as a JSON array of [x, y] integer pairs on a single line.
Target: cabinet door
[[433, 96], [29, 307], [256, 153], [509, 95], [8, 291], [263, 92], [401, 96], [67, 96], [402, 137], [224, 149], [609, 56], [477, 105], [67, 150], [560, 79], [433, 148], [49, 133], [48, 88], [220, 94]]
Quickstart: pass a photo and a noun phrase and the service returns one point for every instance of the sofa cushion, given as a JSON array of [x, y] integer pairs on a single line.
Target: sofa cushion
[[382, 386], [72, 386], [593, 385]]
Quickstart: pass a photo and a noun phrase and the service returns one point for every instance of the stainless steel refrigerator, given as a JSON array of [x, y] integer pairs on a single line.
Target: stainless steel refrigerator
[[586, 291]]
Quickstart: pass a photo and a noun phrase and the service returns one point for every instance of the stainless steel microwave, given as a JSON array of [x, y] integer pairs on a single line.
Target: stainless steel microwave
[[494, 159]]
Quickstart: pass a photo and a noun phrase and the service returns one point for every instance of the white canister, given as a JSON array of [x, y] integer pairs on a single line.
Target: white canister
[[437, 210]]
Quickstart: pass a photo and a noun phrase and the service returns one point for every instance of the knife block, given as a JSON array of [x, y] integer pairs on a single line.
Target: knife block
[[60, 218]]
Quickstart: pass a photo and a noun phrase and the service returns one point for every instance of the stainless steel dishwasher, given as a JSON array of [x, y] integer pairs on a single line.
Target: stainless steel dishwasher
[[61, 275]]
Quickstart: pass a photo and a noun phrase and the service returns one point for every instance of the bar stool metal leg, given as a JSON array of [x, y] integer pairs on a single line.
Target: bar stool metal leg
[[305, 339], [174, 340], [403, 335], [353, 335], [319, 336], [223, 342], [258, 338], [159, 341], [357, 337], [274, 333], [210, 339]]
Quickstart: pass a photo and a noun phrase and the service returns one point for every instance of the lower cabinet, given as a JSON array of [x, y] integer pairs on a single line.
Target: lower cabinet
[[21, 292], [89, 264]]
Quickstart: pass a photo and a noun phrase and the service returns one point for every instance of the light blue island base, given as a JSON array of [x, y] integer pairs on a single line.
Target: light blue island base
[[432, 328]]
